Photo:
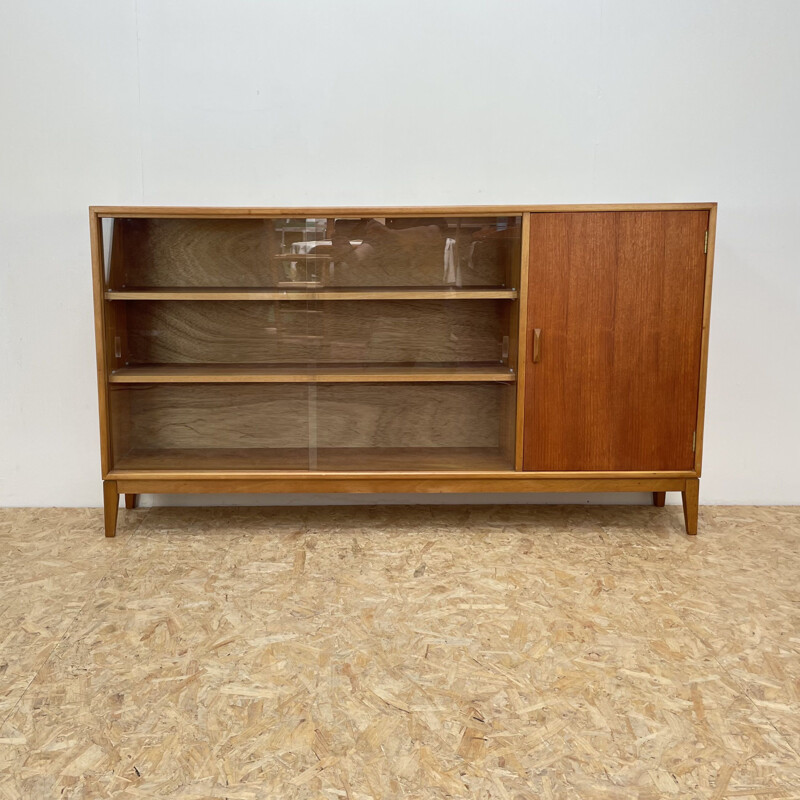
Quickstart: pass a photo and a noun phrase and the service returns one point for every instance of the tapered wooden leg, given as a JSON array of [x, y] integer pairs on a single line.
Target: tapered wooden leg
[[131, 499], [110, 506], [691, 504], [659, 498]]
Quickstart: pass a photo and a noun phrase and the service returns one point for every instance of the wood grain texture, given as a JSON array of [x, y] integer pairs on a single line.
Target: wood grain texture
[[212, 212], [507, 420], [691, 505], [306, 295], [289, 333], [169, 417], [522, 341], [395, 252], [228, 252], [264, 426], [196, 252], [409, 415], [701, 406], [100, 333], [659, 481], [115, 272], [116, 336], [326, 459], [334, 373], [619, 298], [231, 460], [110, 507], [173, 482]]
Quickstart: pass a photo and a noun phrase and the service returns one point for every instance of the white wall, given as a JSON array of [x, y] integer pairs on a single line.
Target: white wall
[[368, 102]]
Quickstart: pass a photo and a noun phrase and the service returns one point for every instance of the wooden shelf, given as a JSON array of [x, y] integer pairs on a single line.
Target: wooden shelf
[[333, 373], [340, 459], [331, 293]]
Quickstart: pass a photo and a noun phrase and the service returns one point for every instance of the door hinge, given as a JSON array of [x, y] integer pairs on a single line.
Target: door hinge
[[694, 442], [705, 244]]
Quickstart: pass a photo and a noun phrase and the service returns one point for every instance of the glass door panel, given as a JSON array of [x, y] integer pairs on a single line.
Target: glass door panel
[[201, 426], [356, 333], [313, 343], [414, 426], [313, 254], [295, 426]]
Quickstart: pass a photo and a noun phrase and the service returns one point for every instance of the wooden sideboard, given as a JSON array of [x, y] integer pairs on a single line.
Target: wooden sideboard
[[442, 349]]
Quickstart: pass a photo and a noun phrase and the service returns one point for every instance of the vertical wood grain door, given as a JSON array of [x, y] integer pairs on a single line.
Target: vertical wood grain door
[[617, 298]]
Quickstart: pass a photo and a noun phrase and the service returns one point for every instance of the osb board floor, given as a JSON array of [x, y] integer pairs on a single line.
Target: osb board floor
[[400, 652]]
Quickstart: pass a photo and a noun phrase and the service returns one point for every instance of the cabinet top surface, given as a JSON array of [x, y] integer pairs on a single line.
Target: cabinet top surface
[[357, 211]]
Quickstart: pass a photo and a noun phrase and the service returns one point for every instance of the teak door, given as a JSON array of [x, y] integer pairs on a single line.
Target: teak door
[[615, 306]]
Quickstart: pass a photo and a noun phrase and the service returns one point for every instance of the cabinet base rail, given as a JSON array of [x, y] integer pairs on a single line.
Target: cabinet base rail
[[131, 487]]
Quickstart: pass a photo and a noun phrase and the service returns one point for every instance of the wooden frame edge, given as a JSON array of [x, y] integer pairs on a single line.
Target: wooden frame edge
[[399, 211], [98, 285], [701, 395], [376, 484], [522, 339], [307, 475]]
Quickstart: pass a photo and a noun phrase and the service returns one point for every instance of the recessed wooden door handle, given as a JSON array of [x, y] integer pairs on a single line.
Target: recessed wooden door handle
[[537, 345]]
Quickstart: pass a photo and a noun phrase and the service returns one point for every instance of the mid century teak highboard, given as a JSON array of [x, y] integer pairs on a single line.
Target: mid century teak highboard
[[460, 349]]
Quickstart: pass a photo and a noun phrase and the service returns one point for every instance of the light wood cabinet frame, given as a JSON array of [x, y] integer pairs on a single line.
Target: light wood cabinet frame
[[132, 482]]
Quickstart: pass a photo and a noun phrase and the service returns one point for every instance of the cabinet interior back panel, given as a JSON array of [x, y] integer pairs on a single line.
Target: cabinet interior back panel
[[192, 252], [336, 252], [408, 415], [164, 416], [264, 332], [192, 417]]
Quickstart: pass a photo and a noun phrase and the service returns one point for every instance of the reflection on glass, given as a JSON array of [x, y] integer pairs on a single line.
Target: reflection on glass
[[369, 426], [343, 332], [317, 253], [107, 233], [351, 353]]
